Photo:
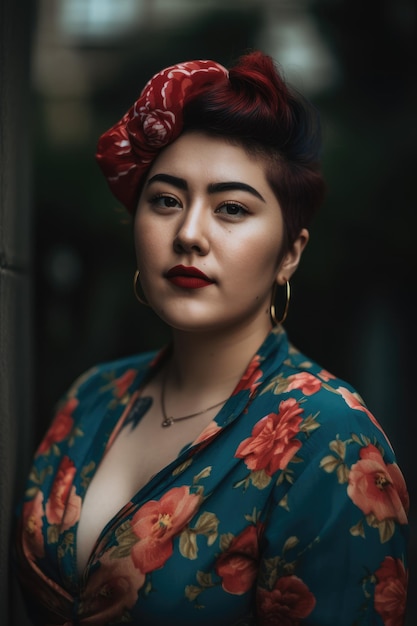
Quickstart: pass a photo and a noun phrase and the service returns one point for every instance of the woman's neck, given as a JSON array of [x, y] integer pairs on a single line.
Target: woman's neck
[[214, 361]]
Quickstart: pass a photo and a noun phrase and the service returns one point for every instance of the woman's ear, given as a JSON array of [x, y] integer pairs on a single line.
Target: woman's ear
[[292, 258]]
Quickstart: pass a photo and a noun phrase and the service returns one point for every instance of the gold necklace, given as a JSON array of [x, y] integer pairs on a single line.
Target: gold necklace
[[168, 421]]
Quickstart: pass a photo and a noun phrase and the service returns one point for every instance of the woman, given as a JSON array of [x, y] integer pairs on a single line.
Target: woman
[[227, 479]]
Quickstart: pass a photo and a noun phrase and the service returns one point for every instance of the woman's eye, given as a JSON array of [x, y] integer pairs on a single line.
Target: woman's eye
[[164, 202], [232, 209]]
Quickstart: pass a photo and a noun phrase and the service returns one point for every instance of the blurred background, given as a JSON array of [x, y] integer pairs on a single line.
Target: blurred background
[[352, 307]]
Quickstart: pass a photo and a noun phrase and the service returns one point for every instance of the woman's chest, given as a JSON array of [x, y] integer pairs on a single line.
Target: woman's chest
[[192, 548], [136, 455]]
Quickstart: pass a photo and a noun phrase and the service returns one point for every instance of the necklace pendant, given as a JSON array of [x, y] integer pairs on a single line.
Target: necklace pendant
[[167, 421]]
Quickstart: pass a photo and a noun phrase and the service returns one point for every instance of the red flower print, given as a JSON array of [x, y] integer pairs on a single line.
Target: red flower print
[[354, 402], [112, 588], [157, 522], [33, 543], [289, 602], [251, 377], [378, 488], [273, 442], [391, 591], [325, 375], [123, 383], [210, 430], [64, 506], [238, 565], [305, 381], [60, 427]]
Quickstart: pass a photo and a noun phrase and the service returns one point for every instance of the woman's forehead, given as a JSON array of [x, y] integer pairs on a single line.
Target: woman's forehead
[[212, 158]]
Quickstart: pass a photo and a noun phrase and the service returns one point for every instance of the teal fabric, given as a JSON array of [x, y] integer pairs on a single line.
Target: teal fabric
[[289, 508]]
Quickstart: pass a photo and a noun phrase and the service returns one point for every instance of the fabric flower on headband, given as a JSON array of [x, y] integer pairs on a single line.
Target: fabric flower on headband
[[126, 151]]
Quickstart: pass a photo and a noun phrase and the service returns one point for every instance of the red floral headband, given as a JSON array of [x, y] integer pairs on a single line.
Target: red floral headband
[[126, 151]]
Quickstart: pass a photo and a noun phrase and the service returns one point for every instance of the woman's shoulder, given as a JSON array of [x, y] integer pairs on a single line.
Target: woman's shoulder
[[313, 380], [138, 362], [328, 404], [115, 376]]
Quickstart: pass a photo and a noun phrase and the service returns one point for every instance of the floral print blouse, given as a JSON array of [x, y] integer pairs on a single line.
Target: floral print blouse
[[289, 508]]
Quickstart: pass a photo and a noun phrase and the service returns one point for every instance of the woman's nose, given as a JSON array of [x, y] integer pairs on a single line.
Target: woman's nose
[[192, 235]]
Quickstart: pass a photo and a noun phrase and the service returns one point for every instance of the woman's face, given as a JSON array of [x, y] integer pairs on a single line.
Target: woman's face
[[208, 236]]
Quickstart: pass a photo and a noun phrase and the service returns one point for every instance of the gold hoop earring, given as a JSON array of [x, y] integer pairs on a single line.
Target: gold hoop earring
[[135, 289], [272, 311]]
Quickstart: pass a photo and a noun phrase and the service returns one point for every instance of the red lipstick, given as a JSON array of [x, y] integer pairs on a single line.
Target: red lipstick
[[188, 277]]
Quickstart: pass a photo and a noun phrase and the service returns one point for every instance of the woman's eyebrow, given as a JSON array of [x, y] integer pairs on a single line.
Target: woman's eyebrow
[[234, 186], [181, 183]]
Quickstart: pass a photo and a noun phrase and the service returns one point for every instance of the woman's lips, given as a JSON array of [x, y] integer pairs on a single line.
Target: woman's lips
[[188, 277]]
